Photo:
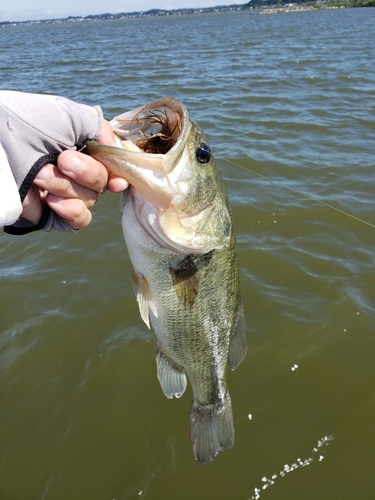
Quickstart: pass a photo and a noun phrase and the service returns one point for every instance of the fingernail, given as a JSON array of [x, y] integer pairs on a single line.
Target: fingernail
[[122, 184], [42, 175], [54, 199], [117, 185]]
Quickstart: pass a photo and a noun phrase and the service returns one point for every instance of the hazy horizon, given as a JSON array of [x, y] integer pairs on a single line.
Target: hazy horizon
[[20, 10]]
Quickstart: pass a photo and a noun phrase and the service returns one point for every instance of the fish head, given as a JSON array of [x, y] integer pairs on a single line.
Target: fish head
[[177, 192]]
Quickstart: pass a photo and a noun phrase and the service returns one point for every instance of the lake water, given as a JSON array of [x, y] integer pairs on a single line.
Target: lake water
[[290, 99]]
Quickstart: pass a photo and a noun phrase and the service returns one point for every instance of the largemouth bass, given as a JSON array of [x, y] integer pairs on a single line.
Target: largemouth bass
[[179, 233]]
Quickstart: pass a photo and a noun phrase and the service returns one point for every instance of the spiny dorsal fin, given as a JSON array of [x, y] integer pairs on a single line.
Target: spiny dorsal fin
[[144, 298], [186, 281], [238, 340]]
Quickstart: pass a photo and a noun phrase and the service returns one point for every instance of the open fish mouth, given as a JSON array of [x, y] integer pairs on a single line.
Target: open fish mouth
[[154, 128], [153, 133]]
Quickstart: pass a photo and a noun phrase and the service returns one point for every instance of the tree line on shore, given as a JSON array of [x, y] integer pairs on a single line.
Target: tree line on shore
[[257, 5]]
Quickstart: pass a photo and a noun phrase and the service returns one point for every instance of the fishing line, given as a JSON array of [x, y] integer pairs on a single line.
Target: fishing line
[[300, 193]]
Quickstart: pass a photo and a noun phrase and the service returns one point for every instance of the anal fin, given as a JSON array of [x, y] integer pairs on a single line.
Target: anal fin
[[238, 341], [211, 429], [172, 377]]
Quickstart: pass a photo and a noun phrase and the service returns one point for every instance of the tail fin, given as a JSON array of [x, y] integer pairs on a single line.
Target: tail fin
[[211, 429]]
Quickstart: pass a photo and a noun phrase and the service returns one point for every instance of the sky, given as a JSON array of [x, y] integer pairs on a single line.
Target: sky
[[25, 10]]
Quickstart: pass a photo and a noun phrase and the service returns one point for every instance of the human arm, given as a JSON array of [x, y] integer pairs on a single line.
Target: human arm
[[33, 126]]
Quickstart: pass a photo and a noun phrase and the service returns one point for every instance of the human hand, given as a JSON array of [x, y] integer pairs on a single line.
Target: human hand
[[72, 187]]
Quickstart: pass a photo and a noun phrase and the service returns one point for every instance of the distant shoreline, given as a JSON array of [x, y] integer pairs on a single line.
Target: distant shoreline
[[270, 9]]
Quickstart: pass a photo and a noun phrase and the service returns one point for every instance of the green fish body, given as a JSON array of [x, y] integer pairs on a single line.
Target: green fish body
[[181, 242]]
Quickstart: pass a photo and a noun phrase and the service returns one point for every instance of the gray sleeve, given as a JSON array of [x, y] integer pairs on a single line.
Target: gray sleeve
[[34, 125]]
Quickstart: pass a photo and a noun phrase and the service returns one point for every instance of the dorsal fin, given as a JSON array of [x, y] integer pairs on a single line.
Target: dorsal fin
[[238, 340]]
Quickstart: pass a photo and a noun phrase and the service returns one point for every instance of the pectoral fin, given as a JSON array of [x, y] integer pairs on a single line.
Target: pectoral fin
[[186, 281], [172, 377], [144, 298], [238, 340]]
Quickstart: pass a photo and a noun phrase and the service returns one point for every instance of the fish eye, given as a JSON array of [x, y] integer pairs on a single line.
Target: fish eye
[[203, 153]]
